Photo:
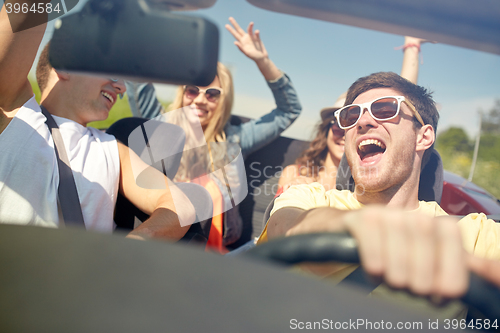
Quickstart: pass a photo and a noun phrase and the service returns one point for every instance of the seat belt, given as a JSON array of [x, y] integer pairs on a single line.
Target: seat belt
[[67, 194]]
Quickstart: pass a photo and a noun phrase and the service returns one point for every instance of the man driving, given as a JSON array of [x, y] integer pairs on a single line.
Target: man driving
[[390, 126]]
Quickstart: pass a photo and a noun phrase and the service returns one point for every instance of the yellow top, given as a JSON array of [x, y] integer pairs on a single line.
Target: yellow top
[[481, 236]]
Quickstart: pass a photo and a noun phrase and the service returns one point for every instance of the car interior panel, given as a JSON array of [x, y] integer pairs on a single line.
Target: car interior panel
[[69, 280], [473, 25]]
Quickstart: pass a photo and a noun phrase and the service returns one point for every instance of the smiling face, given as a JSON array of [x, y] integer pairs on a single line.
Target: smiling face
[[381, 154], [201, 106], [335, 143], [93, 97]]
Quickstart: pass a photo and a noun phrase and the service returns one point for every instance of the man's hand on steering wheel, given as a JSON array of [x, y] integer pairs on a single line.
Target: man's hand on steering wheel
[[412, 251]]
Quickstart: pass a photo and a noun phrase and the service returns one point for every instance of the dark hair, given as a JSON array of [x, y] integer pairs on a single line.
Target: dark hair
[[43, 68], [420, 97], [314, 156]]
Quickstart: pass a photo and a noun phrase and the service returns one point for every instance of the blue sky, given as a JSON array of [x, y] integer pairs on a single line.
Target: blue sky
[[324, 58]]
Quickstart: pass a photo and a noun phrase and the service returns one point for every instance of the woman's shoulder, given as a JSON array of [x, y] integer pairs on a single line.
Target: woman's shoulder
[[294, 174], [292, 169]]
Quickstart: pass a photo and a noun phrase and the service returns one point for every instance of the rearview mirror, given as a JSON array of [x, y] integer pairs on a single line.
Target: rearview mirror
[[128, 39]]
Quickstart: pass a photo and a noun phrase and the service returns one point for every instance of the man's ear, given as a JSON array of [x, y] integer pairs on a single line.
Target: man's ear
[[425, 137], [63, 76]]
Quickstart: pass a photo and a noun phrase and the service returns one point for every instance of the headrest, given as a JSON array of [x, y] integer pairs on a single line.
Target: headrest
[[159, 144]]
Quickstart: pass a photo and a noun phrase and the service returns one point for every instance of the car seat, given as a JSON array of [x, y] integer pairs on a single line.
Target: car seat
[[165, 158], [263, 169]]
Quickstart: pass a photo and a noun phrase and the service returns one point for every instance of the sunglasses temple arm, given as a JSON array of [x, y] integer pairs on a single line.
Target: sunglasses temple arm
[[415, 112]]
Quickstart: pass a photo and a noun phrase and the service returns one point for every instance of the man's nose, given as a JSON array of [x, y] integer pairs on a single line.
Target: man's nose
[[366, 119], [119, 86]]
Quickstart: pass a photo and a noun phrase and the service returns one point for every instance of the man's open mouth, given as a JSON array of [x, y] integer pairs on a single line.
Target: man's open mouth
[[370, 148]]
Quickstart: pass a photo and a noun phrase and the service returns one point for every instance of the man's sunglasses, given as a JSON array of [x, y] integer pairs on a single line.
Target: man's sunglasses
[[212, 94], [381, 109], [336, 130]]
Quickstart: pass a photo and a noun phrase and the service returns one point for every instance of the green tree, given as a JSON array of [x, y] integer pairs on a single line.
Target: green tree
[[491, 121], [35, 88], [456, 152], [453, 140], [489, 146], [488, 161]]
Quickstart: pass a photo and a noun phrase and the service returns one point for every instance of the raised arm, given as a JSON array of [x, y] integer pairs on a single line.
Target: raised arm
[[259, 132], [411, 51], [156, 196], [251, 45], [17, 54]]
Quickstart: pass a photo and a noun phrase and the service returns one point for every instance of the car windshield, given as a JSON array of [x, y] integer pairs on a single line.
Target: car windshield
[[324, 58]]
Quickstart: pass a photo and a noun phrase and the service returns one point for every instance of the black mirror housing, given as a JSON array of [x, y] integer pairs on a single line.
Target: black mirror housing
[[127, 39]]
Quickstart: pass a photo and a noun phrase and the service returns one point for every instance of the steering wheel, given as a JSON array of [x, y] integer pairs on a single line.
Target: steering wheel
[[342, 247]]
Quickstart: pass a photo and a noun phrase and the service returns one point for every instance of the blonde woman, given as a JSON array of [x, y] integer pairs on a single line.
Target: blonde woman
[[212, 105]]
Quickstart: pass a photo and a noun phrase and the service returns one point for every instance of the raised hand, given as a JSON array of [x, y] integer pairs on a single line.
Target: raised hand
[[417, 41], [251, 45], [411, 49], [248, 42]]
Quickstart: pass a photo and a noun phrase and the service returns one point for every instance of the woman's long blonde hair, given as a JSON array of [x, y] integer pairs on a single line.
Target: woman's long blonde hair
[[195, 162]]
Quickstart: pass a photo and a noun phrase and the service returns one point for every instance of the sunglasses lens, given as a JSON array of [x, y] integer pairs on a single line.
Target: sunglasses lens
[[385, 108], [212, 94], [336, 130], [349, 115], [192, 91]]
